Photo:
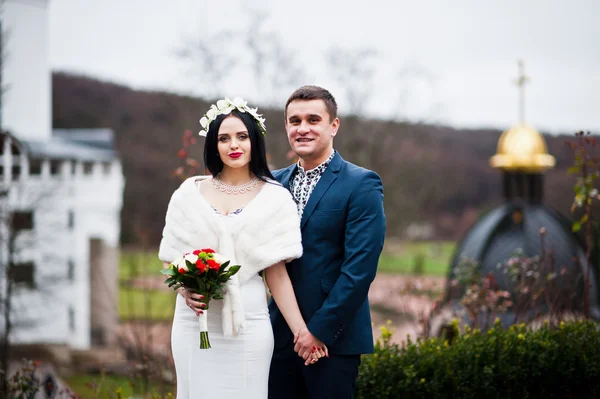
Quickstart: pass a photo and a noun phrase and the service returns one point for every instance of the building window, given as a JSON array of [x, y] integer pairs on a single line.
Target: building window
[[22, 221], [87, 168], [71, 222], [73, 168], [16, 172], [71, 318], [71, 270], [55, 167], [14, 149], [35, 167], [23, 273]]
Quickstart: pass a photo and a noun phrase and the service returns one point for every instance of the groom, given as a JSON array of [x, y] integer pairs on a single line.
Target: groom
[[343, 229]]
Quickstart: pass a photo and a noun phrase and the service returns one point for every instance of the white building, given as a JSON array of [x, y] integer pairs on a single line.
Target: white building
[[61, 191]]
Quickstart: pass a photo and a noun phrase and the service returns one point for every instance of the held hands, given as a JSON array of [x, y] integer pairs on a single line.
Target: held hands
[[308, 347]]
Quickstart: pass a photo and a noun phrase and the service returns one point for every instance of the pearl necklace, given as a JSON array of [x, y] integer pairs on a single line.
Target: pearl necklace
[[228, 189]]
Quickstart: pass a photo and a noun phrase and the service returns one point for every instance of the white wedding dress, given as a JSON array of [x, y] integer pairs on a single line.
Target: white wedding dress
[[234, 367]]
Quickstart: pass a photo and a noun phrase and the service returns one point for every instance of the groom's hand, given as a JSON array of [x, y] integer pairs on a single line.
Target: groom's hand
[[307, 344]]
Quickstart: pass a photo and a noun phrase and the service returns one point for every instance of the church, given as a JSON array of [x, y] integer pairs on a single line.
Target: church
[[523, 222], [61, 194]]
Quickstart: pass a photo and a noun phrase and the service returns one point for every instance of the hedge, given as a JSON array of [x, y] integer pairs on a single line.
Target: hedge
[[551, 362]]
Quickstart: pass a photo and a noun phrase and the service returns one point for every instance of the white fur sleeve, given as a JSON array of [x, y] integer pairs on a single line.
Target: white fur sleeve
[[276, 239]]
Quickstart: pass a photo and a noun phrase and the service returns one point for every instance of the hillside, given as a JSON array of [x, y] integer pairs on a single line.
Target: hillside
[[430, 173]]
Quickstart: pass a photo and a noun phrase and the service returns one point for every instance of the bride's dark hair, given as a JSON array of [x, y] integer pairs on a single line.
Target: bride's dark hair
[[258, 157]]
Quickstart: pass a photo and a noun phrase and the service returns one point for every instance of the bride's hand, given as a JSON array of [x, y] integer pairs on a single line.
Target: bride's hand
[[193, 301], [317, 354]]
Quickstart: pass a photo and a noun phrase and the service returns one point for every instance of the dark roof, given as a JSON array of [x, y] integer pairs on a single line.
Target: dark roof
[[516, 225], [77, 144], [99, 138]]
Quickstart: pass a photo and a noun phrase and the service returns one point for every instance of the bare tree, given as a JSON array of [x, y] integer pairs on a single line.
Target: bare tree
[[275, 69], [415, 88], [210, 61], [251, 53], [354, 71], [18, 274]]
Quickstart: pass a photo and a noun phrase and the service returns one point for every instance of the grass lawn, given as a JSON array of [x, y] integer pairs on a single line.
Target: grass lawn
[[427, 258], [105, 387], [137, 303], [138, 263], [143, 303], [434, 258]]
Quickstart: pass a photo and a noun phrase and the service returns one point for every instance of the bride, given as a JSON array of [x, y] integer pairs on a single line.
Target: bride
[[245, 215]]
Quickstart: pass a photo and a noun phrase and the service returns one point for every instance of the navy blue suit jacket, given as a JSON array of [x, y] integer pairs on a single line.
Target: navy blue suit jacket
[[343, 229]]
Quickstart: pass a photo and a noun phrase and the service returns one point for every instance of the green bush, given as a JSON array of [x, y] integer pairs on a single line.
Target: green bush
[[551, 362]]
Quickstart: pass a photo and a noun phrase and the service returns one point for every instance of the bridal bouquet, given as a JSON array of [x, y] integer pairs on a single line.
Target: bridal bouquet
[[205, 272]]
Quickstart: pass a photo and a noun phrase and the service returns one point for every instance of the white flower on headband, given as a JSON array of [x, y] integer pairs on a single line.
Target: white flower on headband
[[224, 107]]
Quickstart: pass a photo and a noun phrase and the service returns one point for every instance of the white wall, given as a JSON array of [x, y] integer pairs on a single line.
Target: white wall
[[42, 314], [27, 102]]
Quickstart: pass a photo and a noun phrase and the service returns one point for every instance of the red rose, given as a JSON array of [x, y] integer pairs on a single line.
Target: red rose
[[197, 252], [213, 265], [200, 266], [208, 250], [182, 270]]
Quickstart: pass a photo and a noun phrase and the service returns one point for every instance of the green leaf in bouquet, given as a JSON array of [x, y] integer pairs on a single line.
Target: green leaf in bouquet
[[201, 286], [169, 272], [172, 283], [223, 266], [186, 281], [167, 281], [233, 270], [191, 266]]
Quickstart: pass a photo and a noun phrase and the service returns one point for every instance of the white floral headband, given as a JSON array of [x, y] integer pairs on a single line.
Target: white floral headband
[[224, 107]]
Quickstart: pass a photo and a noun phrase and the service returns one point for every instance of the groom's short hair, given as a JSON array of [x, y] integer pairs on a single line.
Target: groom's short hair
[[307, 93]]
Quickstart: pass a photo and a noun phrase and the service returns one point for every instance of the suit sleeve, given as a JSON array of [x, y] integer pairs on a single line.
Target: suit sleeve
[[364, 237]]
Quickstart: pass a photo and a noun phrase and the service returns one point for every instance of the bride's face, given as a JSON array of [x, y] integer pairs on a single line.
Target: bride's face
[[233, 143], [310, 129]]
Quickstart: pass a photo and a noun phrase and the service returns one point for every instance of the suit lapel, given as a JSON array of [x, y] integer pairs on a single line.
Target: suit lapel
[[321, 188]]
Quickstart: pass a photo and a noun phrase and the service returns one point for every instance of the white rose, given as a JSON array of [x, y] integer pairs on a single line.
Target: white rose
[[191, 258], [220, 259], [203, 133], [179, 263]]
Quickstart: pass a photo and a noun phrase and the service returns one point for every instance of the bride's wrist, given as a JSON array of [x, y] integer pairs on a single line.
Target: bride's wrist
[[298, 328]]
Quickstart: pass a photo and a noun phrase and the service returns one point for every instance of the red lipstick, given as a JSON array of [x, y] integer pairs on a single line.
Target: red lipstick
[[235, 155]]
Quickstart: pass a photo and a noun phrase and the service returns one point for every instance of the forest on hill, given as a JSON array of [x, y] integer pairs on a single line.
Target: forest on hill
[[432, 174]]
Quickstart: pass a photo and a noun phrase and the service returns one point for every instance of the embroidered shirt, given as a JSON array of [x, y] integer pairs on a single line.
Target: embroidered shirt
[[303, 182]]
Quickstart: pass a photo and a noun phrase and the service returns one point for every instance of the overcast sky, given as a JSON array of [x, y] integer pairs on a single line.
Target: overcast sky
[[465, 53]]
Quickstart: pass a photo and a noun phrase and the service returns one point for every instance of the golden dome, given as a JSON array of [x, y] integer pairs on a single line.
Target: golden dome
[[522, 148]]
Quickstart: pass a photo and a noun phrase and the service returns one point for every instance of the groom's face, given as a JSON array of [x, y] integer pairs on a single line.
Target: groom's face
[[310, 129]]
